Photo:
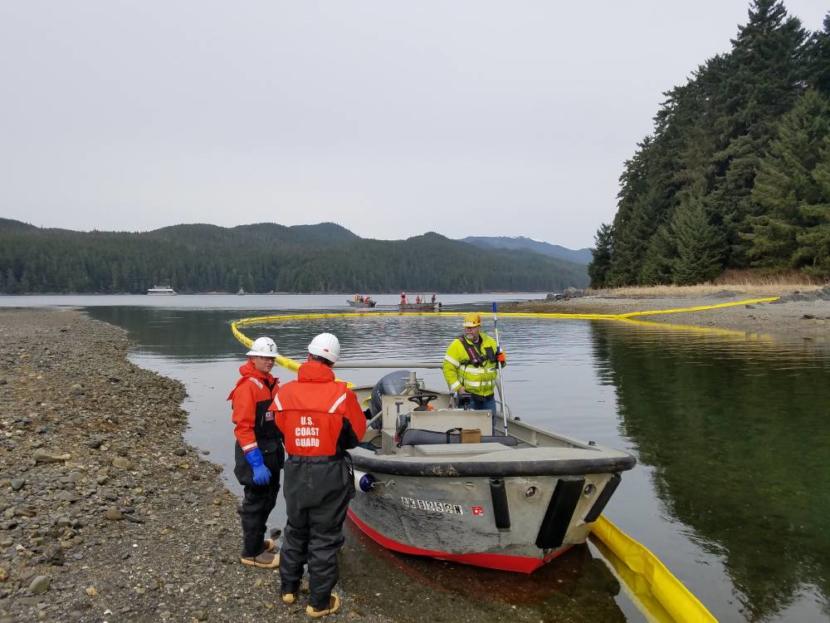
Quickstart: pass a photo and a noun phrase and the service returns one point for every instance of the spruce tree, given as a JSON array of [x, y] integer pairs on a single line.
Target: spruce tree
[[638, 214], [601, 256], [767, 75], [661, 254], [819, 59], [790, 194], [813, 253], [700, 245]]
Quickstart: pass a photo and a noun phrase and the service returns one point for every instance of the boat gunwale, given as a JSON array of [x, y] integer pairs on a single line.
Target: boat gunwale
[[406, 466]]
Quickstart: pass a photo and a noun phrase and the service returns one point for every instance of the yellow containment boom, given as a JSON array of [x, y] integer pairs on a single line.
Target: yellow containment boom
[[243, 339], [686, 310], [651, 585]]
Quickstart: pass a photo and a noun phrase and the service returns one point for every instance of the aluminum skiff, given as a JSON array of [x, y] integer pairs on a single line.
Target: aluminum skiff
[[440, 481]]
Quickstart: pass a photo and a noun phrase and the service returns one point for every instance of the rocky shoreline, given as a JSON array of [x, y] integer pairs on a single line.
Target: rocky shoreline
[[105, 513]]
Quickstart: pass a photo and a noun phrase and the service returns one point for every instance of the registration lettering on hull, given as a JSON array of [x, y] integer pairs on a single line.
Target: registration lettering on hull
[[432, 505]]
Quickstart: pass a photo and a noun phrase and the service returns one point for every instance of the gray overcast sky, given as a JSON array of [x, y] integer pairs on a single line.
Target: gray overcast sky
[[391, 118]]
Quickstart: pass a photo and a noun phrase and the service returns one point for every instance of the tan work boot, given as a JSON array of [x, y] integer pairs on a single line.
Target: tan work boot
[[265, 560], [270, 546], [289, 598], [334, 606]]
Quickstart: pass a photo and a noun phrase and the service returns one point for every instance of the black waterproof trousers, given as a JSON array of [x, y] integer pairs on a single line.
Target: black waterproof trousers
[[317, 494], [258, 501]]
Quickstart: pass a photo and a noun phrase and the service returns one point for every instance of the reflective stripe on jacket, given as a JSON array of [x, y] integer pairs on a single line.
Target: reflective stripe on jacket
[[313, 410], [459, 370], [251, 402]]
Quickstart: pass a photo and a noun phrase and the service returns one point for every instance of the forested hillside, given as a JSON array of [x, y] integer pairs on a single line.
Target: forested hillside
[[263, 258], [737, 171]]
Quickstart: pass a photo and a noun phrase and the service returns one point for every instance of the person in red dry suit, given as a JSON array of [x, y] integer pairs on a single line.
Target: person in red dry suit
[[258, 452], [320, 419]]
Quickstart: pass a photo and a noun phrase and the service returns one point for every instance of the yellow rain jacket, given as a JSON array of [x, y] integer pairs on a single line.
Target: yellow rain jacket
[[477, 375]]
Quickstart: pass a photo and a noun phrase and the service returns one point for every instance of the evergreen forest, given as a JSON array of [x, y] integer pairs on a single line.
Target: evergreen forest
[[736, 173], [264, 257]]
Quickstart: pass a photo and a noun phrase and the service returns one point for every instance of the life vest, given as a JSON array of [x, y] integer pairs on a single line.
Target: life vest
[[251, 398], [475, 366], [474, 356], [317, 415]]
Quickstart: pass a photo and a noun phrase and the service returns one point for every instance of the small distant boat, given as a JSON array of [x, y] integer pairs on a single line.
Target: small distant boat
[[164, 290], [241, 292], [363, 303], [422, 307]]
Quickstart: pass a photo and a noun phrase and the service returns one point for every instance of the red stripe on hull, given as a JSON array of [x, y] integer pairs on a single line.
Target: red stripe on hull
[[502, 562]]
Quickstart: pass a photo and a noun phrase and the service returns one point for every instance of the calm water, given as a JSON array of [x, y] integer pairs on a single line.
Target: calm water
[[732, 488]]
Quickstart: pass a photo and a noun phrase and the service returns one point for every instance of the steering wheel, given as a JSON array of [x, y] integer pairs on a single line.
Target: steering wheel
[[422, 399]]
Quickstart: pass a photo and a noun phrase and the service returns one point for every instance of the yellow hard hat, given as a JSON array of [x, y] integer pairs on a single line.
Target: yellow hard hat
[[472, 320]]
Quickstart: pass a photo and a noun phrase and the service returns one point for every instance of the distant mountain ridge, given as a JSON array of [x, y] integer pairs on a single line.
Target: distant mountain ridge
[[521, 243], [265, 257], [7, 224]]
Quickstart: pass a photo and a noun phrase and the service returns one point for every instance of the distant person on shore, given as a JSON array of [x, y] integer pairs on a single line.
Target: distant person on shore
[[320, 419], [403, 298], [418, 299], [258, 453], [471, 366], [433, 299]]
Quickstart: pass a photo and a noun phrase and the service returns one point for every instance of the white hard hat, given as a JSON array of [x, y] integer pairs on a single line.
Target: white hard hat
[[263, 347], [325, 345]]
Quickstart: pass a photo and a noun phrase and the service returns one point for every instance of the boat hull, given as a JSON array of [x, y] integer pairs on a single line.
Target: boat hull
[[422, 307], [161, 291], [513, 523], [501, 562]]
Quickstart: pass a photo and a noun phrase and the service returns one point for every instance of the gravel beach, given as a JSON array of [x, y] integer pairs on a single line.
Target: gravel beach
[[105, 513], [797, 318]]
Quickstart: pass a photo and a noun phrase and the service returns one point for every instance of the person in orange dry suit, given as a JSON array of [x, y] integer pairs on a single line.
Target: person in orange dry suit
[[258, 452], [320, 419]]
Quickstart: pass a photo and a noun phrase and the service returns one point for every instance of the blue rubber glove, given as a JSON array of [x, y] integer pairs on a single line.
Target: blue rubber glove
[[262, 475]]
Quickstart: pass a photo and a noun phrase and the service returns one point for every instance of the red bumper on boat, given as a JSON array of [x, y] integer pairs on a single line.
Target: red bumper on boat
[[503, 562]]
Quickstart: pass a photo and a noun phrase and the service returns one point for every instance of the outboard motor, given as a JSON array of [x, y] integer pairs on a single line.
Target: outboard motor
[[390, 385]]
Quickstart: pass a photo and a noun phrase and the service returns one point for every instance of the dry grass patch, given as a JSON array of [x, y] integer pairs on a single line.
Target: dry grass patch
[[754, 283], [700, 290]]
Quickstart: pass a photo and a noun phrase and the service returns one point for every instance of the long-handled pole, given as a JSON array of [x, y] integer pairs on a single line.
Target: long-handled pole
[[499, 370]]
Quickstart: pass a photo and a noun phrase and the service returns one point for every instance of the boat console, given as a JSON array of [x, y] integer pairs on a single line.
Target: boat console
[[408, 414]]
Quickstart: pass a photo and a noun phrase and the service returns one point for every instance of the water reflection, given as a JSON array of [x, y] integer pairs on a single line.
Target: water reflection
[[739, 437], [175, 333]]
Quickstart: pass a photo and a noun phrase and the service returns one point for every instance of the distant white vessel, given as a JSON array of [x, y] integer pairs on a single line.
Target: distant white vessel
[[161, 290]]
